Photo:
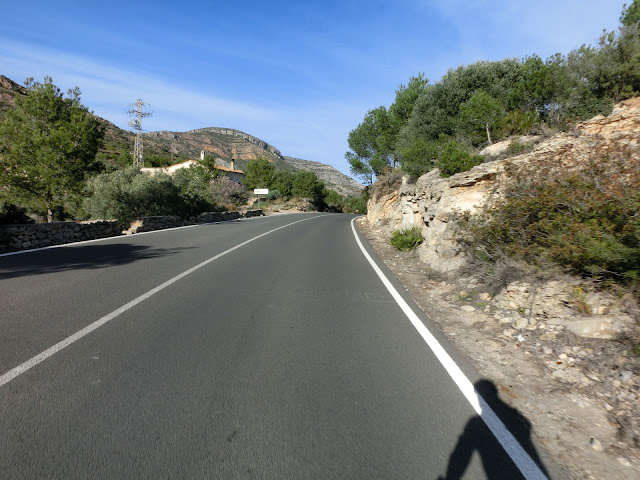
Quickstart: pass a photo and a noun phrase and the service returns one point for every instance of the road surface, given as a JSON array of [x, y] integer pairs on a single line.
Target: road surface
[[268, 349]]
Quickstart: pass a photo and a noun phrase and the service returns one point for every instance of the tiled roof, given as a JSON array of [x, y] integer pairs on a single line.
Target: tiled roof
[[225, 169]]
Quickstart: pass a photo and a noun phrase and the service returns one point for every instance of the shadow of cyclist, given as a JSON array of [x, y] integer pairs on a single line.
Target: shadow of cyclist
[[477, 437]]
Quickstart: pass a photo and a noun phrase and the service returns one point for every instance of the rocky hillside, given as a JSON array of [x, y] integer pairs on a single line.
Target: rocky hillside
[[333, 178], [227, 143], [224, 143]]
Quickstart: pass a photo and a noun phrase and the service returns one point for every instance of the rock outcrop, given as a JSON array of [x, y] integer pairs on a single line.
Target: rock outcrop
[[225, 143]]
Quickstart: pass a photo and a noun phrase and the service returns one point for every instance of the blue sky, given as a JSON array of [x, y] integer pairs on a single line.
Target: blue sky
[[299, 74]]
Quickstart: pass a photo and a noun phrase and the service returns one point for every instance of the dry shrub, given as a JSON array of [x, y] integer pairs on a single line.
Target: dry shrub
[[389, 181], [585, 218]]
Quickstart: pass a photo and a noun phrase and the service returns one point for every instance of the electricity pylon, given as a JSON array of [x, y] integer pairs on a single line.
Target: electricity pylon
[[138, 159]]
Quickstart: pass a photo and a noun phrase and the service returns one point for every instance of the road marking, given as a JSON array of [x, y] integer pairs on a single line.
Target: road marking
[[32, 362], [520, 457]]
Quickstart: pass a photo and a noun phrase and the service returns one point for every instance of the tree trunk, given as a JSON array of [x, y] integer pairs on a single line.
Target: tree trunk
[[488, 133]]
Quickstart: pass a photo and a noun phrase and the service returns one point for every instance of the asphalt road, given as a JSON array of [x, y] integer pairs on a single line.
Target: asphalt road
[[286, 357]]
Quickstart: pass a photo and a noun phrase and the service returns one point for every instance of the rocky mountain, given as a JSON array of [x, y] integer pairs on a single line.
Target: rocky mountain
[[223, 143]]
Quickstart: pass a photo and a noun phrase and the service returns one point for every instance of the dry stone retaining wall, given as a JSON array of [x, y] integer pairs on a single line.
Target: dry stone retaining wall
[[27, 237]]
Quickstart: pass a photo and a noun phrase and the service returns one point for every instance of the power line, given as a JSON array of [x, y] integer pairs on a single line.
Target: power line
[[138, 159]]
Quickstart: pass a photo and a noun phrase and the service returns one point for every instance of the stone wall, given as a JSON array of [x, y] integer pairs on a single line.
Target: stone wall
[[253, 213], [26, 237]]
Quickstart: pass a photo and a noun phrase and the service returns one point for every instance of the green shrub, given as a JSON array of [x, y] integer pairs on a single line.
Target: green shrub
[[453, 158], [516, 148], [419, 158], [517, 122], [194, 187], [357, 204], [406, 239], [129, 194]]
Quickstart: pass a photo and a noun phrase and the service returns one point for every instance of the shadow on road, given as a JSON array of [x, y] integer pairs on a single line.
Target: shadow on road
[[477, 437], [81, 257]]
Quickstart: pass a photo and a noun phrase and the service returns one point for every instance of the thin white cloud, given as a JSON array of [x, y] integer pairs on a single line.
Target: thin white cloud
[[313, 131], [549, 25]]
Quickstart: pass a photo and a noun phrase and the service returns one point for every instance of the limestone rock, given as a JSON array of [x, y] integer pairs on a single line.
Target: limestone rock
[[596, 326]]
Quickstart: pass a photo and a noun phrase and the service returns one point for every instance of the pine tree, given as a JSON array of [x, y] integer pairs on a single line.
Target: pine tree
[[47, 145]]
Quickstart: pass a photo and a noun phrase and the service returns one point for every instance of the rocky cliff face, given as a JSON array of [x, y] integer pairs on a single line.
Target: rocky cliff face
[[225, 143]]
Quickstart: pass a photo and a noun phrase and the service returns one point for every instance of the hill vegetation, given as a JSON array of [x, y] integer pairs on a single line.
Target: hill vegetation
[[444, 124]]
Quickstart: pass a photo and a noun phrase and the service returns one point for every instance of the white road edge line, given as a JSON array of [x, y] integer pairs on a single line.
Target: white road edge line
[[520, 457], [71, 244], [32, 362]]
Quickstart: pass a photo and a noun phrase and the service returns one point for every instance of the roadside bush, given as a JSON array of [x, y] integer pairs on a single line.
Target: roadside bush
[[283, 183], [128, 194], [406, 239], [194, 186], [453, 158], [223, 190], [517, 122], [419, 158], [585, 219]]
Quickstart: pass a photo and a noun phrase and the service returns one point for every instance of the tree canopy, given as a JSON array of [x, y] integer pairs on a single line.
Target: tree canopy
[[259, 174], [373, 143], [48, 144], [631, 14]]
